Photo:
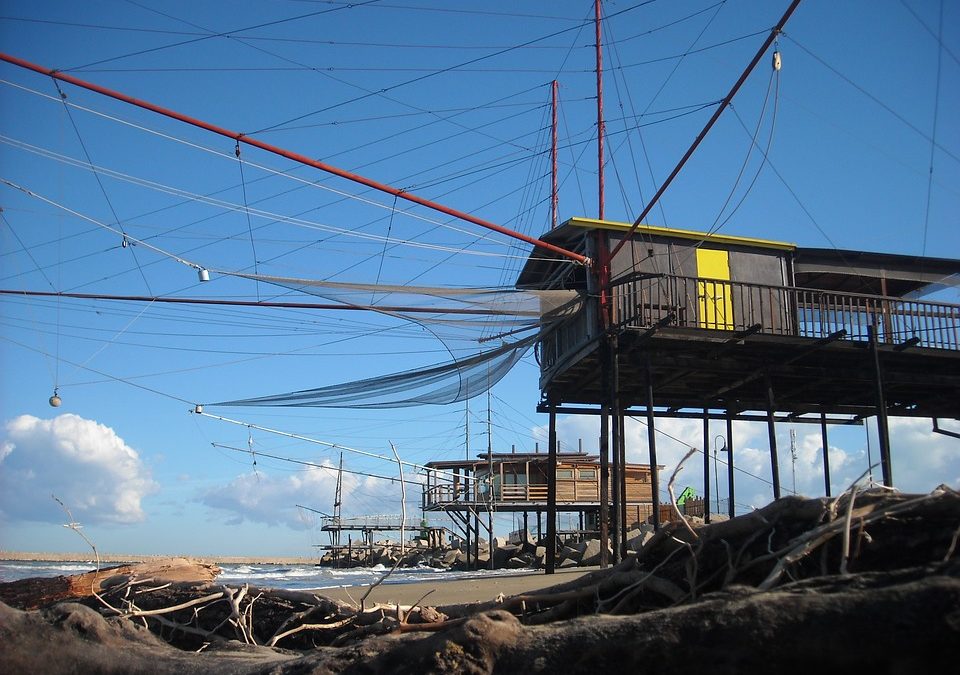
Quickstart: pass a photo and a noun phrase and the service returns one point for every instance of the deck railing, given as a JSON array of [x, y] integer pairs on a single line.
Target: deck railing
[[779, 310], [579, 490]]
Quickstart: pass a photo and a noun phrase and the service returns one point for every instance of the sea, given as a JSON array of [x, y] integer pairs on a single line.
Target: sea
[[292, 577]]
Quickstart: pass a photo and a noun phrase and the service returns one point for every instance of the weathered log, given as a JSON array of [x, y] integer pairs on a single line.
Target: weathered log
[[40, 592]]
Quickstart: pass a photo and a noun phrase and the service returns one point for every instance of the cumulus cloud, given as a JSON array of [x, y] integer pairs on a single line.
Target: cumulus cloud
[[271, 499], [85, 463]]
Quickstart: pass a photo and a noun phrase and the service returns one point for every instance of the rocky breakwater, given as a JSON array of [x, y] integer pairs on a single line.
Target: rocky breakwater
[[525, 554]]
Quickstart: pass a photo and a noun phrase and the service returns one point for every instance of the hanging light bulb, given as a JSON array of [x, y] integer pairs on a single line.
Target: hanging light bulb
[[203, 274], [55, 400]]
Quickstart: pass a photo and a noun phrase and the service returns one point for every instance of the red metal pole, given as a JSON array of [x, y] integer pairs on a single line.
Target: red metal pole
[[257, 303], [716, 115], [296, 157], [600, 125], [554, 198]]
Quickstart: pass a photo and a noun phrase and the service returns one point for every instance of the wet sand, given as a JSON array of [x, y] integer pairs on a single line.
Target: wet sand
[[479, 589]]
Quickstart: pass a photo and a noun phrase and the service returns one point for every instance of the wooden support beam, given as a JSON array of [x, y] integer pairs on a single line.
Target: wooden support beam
[[706, 465], [551, 558], [772, 436], [617, 469], [691, 415], [883, 431], [826, 454], [731, 508], [652, 443], [760, 372]]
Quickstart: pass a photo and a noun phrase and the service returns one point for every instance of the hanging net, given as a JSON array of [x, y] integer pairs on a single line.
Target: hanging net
[[472, 312], [468, 316], [446, 383]]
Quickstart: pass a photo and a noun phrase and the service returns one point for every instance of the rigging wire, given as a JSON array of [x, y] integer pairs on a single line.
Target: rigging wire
[[933, 135], [332, 446], [717, 225], [96, 175], [229, 206], [246, 210], [323, 467], [439, 71], [275, 22], [873, 98], [113, 378], [783, 181]]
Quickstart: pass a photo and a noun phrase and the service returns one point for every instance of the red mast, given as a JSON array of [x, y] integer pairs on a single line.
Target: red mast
[[600, 125], [553, 155]]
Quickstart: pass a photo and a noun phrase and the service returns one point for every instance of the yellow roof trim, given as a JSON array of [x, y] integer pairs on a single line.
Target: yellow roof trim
[[682, 234]]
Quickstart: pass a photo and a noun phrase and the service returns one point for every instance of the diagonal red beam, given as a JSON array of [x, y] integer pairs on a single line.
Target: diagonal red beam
[[774, 32], [294, 156]]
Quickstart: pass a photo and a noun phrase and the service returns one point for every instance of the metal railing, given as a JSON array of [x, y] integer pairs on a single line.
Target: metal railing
[[779, 310], [784, 310]]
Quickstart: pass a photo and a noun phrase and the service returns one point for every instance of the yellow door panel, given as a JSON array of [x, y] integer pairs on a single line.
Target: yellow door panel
[[713, 296]]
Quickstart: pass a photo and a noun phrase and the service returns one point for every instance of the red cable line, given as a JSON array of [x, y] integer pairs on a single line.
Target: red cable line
[[294, 156], [260, 303]]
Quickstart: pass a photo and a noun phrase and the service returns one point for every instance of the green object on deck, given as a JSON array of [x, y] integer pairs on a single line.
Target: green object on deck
[[685, 495]]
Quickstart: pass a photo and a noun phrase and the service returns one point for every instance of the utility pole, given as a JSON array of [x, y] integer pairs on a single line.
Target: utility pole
[[793, 458], [490, 478]]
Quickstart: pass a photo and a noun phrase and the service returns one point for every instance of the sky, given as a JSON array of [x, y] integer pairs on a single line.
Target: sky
[[449, 101]]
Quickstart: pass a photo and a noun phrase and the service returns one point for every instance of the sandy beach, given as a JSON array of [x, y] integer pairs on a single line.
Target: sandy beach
[[456, 591]]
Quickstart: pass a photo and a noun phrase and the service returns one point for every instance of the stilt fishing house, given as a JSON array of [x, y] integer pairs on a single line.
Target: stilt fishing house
[[713, 326]]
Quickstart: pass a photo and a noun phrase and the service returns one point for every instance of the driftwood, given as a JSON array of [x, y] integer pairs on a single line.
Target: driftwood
[[858, 549], [39, 592]]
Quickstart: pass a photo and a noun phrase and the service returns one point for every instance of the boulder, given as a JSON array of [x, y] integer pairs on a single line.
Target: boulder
[[636, 543], [591, 556], [503, 553], [568, 553]]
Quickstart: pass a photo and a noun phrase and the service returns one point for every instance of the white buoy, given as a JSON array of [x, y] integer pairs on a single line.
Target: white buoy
[[55, 400], [203, 274], [198, 409]]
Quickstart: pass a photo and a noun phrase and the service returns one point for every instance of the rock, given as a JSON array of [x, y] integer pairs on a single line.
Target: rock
[[591, 552], [452, 556], [568, 562], [517, 563], [637, 542], [502, 554], [568, 553]]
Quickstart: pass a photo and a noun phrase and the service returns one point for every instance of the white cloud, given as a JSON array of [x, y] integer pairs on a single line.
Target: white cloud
[[84, 463], [271, 499], [921, 459]]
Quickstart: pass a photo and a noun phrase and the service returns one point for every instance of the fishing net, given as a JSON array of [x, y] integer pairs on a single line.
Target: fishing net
[[469, 316], [445, 383]]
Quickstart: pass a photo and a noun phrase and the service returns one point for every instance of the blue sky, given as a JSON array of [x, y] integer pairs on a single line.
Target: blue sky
[[449, 101]]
